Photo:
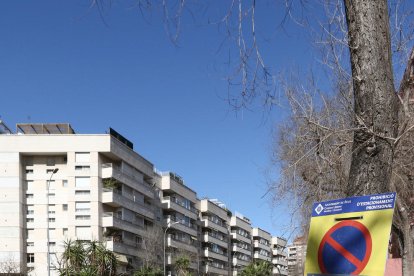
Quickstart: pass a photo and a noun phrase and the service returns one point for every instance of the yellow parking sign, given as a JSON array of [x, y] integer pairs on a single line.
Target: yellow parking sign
[[349, 236]]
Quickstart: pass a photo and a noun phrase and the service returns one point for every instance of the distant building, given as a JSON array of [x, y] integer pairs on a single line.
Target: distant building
[[261, 245], [279, 258], [215, 238], [180, 212], [296, 257], [241, 238]]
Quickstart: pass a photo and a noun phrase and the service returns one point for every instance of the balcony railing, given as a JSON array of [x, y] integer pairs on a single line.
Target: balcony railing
[[117, 171], [181, 222], [181, 203], [220, 252], [215, 221], [187, 241], [120, 240], [217, 265], [129, 199], [221, 238], [120, 217]]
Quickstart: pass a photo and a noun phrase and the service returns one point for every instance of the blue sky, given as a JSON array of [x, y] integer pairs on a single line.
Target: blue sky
[[59, 62]]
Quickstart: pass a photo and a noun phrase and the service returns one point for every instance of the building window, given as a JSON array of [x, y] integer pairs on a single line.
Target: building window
[[64, 207], [82, 207], [29, 161], [52, 219], [51, 184], [29, 184], [29, 219], [82, 157], [28, 196], [51, 195], [65, 231], [82, 182], [30, 210], [29, 171], [52, 232], [29, 233], [49, 171], [50, 161], [30, 258], [82, 192], [83, 232], [82, 217], [30, 244], [64, 183], [83, 168], [52, 209]]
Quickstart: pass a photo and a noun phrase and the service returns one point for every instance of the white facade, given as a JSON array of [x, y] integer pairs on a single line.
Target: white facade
[[215, 238], [241, 235], [39, 215], [181, 215], [56, 186], [261, 245]]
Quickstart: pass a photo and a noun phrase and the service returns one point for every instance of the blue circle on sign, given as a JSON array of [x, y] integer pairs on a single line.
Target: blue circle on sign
[[345, 248]]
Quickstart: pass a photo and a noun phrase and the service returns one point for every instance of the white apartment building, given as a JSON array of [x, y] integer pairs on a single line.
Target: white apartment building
[[279, 258], [181, 216], [215, 238], [261, 245], [56, 185], [241, 248]]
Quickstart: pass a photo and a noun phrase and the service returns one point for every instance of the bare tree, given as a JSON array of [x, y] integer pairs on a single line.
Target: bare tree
[[314, 149], [10, 267], [153, 247]]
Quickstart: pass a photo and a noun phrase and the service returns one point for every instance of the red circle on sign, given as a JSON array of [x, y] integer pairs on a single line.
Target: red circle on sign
[[360, 265]]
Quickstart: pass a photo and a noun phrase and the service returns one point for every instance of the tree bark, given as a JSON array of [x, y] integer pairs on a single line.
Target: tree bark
[[376, 109], [375, 101]]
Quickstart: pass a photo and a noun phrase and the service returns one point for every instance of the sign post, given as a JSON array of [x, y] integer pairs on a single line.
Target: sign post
[[350, 236]]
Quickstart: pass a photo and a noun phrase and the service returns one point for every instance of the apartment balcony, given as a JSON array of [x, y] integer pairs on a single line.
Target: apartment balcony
[[123, 247], [236, 248], [237, 236], [209, 238], [190, 228], [174, 204], [209, 268], [257, 244], [208, 253], [170, 260], [239, 262], [279, 262], [259, 256], [111, 171], [279, 252], [279, 241], [181, 244], [110, 219], [280, 271], [115, 198], [208, 223]]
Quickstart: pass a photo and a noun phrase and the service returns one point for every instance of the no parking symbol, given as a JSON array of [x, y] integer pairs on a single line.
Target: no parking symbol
[[345, 248], [350, 236]]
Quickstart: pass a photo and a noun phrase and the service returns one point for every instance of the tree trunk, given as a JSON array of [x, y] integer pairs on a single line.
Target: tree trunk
[[376, 110], [375, 101], [408, 247]]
